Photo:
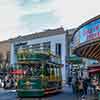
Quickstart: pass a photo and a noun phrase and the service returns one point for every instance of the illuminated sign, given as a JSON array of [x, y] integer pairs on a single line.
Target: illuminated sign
[[88, 32]]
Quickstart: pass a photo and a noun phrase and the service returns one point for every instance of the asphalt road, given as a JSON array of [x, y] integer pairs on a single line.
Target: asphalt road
[[65, 95]]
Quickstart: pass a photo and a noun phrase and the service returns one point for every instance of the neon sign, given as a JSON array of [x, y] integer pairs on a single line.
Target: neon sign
[[92, 32], [88, 32]]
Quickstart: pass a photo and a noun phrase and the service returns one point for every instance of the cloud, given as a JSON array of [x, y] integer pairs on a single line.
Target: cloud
[[72, 13], [37, 22], [37, 16], [8, 18], [23, 16], [34, 6]]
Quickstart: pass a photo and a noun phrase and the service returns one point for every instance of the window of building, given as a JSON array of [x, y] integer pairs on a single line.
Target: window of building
[[8, 57], [25, 46], [46, 46], [35, 47], [58, 49]]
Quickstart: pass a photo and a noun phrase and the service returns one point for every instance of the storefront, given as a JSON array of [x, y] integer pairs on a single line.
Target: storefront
[[94, 72], [74, 71], [86, 41]]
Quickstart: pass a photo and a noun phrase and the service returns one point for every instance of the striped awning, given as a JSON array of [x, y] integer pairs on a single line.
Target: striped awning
[[89, 49]]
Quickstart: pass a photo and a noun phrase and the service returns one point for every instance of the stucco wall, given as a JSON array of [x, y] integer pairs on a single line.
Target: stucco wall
[[53, 39]]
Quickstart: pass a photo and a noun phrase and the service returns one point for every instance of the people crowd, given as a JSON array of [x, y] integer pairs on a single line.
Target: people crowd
[[83, 86], [8, 82]]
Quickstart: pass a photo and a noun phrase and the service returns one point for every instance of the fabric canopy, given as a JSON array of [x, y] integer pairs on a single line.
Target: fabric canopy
[[94, 70], [74, 60], [17, 72]]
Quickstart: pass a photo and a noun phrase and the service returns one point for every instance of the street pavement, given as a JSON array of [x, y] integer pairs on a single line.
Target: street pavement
[[66, 94]]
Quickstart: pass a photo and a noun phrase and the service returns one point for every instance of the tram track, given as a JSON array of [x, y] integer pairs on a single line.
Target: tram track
[[45, 98]]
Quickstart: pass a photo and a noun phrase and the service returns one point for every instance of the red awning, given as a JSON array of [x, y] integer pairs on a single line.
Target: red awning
[[94, 70], [17, 72]]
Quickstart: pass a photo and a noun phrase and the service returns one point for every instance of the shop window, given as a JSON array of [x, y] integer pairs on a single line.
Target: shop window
[[58, 49]]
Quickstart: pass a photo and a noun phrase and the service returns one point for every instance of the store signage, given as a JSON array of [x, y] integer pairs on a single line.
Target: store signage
[[88, 32], [91, 31]]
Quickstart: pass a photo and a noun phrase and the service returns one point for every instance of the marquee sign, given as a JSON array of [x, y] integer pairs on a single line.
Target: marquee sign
[[87, 32]]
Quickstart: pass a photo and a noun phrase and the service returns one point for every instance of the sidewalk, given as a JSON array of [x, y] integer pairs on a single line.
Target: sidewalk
[[68, 90], [7, 90], [92, 97]]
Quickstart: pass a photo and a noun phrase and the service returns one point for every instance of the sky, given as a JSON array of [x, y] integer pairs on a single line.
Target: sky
[[21, 17]]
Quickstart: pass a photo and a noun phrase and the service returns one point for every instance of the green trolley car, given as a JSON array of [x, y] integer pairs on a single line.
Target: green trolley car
[[42, 73]]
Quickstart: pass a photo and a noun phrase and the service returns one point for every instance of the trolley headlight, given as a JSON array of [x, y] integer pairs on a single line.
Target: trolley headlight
[[27, 83]]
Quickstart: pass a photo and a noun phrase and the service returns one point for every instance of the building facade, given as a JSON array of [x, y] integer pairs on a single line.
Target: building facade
[[54, 39], [4, 53], [86, 41]]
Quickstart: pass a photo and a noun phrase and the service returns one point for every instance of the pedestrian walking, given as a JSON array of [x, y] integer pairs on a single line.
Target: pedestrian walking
[[85, 86], [77, 86], [69, 80], [73, 85], [89, 89], [81, 88], [94, 84]]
